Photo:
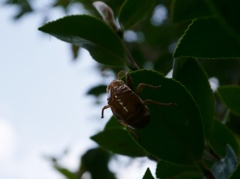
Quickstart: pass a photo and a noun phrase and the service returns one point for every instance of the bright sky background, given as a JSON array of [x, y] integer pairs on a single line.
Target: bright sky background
[[43, 106]]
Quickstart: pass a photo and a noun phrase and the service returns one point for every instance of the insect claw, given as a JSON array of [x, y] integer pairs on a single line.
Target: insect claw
[[121, 74], [105, 107]]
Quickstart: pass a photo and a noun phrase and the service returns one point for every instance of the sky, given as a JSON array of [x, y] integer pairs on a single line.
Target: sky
[[43, 106]]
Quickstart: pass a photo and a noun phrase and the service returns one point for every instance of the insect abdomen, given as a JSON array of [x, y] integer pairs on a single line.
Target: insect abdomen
[[140, 118], [128, 107]]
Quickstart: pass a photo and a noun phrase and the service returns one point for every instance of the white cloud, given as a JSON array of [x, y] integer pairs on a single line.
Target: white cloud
[[125, 167], [8, 139]]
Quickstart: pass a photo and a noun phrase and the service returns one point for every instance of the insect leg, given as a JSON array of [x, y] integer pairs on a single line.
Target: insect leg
[[105, 107], [129, 82], [121, 74], [132, 131], [141, 85], [158, 103], [129, 129]]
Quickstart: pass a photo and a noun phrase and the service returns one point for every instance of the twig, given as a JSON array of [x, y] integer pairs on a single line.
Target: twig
[[206, 172], [131, 60]]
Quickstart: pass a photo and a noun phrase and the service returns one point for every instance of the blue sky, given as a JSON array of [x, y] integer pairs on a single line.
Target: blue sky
[[43, 106]]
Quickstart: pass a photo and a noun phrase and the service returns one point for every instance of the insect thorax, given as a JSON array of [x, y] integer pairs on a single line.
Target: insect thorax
[[128, 106]]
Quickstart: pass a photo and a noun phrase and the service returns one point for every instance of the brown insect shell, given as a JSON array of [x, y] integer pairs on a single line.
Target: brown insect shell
[[127, 106]]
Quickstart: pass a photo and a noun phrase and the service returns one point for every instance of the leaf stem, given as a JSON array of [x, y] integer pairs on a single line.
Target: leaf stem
[[205, 170], [214, 154], [131, 61], [151, 157], [211, 151]]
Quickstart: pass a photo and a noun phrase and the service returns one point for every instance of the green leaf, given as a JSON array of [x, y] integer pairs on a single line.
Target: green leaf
[[225, 167], [132, 11], [24, 7], [236, 173], [193, 77], [119, 141], [96, 161], [221, 136], [183, 10], [148, 174], [92, 34], [175, 133], [113, 123], [65, 172], [75, 51], [230, 95], [189, 176], [228, 15], [168, 170], [97, 90], [207, 39], [62, 3]]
